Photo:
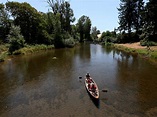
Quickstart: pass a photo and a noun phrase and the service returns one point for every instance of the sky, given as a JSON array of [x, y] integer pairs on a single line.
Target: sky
[[102, 13]]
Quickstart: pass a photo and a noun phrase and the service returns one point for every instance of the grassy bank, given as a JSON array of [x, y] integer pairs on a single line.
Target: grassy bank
[[28, 49], [33, 49], [3, 52], [143, 52]]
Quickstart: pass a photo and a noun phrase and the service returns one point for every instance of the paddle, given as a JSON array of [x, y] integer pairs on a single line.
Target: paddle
[[80, 79], [104, 90]]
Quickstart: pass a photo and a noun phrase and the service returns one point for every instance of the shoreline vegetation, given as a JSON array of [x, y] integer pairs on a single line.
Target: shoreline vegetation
[[28, 49], [145, 52]]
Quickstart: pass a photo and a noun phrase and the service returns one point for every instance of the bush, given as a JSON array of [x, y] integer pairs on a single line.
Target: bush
[[128, 38], [46, 38], [15, 38], [69, 42], [3, 56], [144, 42]]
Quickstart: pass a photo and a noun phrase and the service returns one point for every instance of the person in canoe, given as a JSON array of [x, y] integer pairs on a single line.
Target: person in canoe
[[88, 78], [93, 88]]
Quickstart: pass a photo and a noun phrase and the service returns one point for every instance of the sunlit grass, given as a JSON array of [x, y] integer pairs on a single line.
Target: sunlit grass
[[32, 49], [3, 55], [28, 49], [3, 52], [152, 54], [142, 51]]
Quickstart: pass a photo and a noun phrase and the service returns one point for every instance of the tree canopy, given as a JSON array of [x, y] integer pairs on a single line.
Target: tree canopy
[[135, 16], [84, 27]]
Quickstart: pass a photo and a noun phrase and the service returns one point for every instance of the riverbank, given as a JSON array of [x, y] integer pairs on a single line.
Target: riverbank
[[143, 51], [28, 49]]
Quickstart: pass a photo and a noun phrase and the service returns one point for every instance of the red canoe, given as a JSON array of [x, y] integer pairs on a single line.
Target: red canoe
[[93, 92]]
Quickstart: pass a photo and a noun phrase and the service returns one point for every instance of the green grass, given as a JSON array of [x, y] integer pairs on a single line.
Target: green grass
[[141, 52], [3, 52], [154, 55], [32, 49], [28, 49], [3, 56]]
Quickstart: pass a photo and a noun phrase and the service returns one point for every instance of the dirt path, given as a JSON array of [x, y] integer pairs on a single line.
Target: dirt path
[[137, 46]]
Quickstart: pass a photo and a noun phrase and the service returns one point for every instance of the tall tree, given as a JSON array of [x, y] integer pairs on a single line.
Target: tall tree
[[5, 22], [94, 33], [15, 38], [58, 40], [150, 17], [66, 13], [126, 15], [29, 20], [87, 28], [68, 16], [84, 27], [138, 19]]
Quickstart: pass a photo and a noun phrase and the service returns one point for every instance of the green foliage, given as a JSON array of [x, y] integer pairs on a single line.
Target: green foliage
[[29, 19], [5, 23], [74, 33], [130, 15], [15, 38], [147, 43], [108, 36], [31, 49], [127, 38], [84, 28], [150, 22], [69, 42], [3, 56], [66, 13], [94, 33], [3, 52], [58, 37], [154, 55]]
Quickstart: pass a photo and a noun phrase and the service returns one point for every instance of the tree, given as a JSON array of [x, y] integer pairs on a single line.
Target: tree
[[58, 40], [68, 17], [84, 27], [15, 38], [63, 33], [62, 7], [29, 19], [150, 18], [128, 15], [87, 28], [5, 22], [138, 19], [94, 33]]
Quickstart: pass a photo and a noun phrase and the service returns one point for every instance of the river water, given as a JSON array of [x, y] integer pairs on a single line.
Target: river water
[[46, 84]]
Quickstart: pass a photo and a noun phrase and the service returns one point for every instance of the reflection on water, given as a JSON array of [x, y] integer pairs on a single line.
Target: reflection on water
[[39, 85]]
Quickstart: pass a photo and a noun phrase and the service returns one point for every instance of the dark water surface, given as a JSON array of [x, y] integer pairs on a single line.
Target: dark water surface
[[41, 85]]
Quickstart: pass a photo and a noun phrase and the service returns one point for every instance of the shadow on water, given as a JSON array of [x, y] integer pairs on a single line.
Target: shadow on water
[[95, 101]]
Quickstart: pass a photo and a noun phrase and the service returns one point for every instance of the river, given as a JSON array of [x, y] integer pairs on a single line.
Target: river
[[46, 84]]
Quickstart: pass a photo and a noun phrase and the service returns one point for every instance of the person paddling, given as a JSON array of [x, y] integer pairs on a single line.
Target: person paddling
[[89, 80]]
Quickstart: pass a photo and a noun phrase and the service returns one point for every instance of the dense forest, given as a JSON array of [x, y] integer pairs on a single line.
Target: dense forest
[[21, 24]]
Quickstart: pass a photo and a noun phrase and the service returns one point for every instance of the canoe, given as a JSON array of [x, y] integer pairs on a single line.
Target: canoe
[[93, 93]]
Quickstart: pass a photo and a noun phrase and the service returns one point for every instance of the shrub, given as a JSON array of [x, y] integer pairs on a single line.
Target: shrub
[[127, 38], [144, 42], [69, 42], [15, 38]]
